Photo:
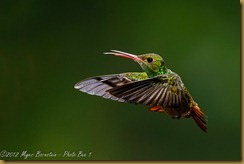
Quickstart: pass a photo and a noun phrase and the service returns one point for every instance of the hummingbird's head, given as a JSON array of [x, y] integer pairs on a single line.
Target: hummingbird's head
[[152, 64]]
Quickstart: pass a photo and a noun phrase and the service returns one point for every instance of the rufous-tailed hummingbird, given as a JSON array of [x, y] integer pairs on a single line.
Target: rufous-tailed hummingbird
[[157, 87]]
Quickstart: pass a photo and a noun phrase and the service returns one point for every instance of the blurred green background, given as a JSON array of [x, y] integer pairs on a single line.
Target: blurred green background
[[48, 46]]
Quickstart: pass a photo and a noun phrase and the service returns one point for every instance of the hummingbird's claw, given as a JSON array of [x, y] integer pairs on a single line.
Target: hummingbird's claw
[[176, 117]]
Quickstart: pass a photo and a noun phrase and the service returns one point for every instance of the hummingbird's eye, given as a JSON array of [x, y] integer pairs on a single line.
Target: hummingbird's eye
[[149, 60]]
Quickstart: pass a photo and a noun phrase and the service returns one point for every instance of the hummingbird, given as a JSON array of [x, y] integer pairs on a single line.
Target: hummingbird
[[157, 87]]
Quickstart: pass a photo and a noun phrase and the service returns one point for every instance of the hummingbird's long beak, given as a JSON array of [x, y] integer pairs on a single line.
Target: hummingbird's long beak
[[123, 54]]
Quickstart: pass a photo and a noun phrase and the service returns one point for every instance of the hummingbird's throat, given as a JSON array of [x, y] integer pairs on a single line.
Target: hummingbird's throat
[[151, 73]]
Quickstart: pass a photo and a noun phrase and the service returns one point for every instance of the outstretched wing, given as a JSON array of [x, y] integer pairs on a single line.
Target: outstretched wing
[[99, 85], [163, 90]]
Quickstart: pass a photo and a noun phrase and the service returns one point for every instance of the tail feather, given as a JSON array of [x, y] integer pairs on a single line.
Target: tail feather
[[200, 118]]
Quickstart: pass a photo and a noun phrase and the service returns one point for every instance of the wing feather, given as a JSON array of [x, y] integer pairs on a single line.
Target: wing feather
[[138, 94], [150, 95], [99, 85], [162, 97], [163, 90], [146, 95], [156, 96], [129, 94], [156, 91]]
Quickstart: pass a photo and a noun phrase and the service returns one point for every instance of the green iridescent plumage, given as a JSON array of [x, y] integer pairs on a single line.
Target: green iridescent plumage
[[157, 87]]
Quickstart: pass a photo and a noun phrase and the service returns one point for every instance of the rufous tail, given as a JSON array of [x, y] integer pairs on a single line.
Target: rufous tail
[[199, 117]]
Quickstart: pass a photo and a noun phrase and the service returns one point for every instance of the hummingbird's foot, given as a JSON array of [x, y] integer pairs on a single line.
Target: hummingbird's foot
[[161, 110], [157, 109], [187, 114], [176, 116]]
